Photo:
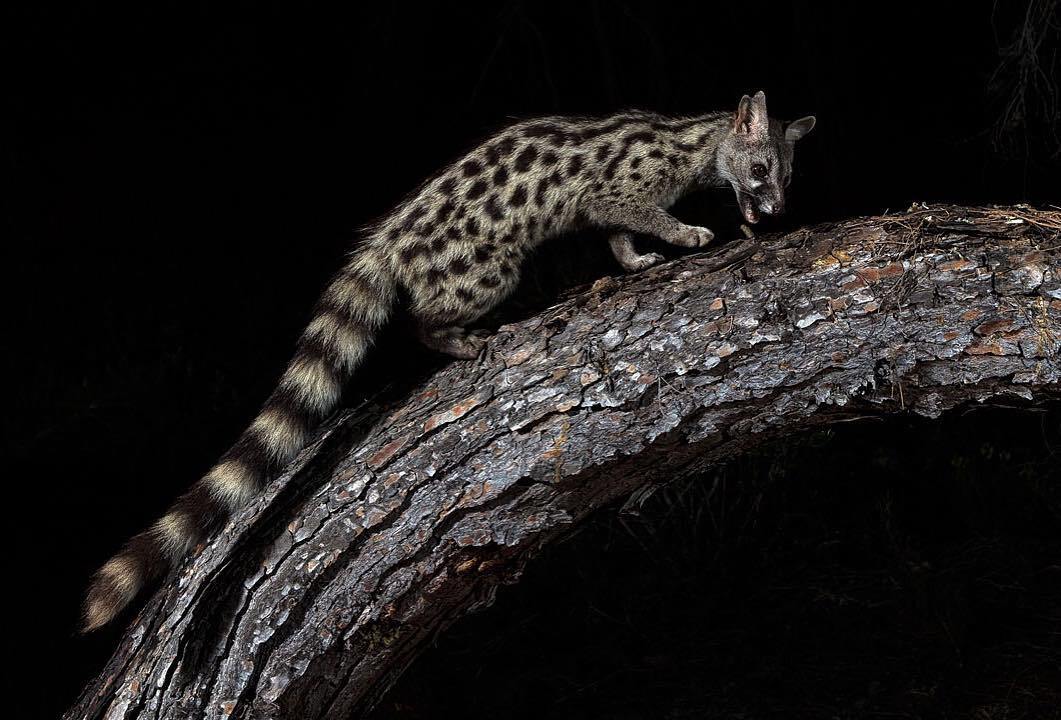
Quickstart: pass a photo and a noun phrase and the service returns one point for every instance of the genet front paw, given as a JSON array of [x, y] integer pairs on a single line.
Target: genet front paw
[[691, 236]]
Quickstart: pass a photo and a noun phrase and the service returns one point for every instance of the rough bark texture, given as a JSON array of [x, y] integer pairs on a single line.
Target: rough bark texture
[[400, 519]]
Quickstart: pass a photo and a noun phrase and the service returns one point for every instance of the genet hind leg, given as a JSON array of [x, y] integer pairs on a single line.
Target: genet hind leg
[[454, 340], [472, 285]]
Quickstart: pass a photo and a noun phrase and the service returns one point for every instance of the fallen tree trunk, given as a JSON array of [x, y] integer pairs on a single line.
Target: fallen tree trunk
[[400, 519]]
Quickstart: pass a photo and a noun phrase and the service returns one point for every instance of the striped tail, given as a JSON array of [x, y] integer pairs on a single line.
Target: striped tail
[[344, 325]]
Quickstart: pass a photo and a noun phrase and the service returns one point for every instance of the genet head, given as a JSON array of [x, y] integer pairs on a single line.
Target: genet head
[[756, 157]]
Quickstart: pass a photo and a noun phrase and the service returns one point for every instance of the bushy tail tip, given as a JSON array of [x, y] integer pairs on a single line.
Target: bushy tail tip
[[115, 584]]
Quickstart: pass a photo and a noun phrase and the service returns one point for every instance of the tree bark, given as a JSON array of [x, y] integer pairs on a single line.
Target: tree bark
[[401, 518]]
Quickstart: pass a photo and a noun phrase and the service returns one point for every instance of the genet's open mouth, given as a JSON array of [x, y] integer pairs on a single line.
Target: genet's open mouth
[[748, 206]]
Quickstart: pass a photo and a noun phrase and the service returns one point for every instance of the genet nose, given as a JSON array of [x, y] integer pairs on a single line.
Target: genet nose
[[772, 207]]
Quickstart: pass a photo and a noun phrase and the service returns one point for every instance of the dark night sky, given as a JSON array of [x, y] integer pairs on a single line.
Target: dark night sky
[[187, 176]]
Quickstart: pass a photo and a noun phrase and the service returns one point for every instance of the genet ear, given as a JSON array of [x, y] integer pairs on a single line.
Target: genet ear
[[759, 103], [798, 128], [751, 115]]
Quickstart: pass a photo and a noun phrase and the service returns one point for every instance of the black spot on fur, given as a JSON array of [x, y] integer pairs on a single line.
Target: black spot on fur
[[434, 276], [483, 252], [655, 153], [549, 158], [445, 210], [447, 186], [453, 232], [635, 176], [472, 226], [574, 165], [413, 251], [477, 189], [411, 217], [464, 294], [471, 168], [519, 196], [639, 137], [505, 146], [699, 142], [628, 142], [526, 158], [500, 176], [459, 266], [603, 151], [490, 281], [493, 208], [427, 228], [438, 243], [540, 190], [635, 163], [595, 132]]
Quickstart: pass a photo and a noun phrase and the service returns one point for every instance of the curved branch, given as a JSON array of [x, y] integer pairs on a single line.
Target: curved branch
[[400, 519]]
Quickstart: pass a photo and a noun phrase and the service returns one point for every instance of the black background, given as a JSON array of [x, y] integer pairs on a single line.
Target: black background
[[185, 178]]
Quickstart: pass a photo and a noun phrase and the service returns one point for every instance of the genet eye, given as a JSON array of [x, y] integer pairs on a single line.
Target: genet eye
[[758, 171]]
